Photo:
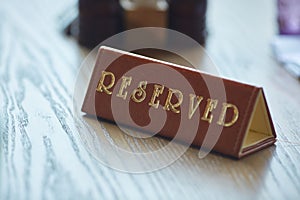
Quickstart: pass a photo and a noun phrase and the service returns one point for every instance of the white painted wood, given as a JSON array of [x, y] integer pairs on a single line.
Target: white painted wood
[[42, 156]]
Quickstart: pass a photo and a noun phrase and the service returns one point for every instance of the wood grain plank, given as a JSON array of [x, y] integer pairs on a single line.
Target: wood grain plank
[[43, 157]]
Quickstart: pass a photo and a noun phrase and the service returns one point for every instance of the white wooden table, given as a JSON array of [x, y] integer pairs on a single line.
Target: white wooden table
[[42, 156]]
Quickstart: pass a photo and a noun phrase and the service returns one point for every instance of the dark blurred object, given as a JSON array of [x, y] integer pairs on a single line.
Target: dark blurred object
[[98, 20], [289, 17], [286, 45], [189, 17]]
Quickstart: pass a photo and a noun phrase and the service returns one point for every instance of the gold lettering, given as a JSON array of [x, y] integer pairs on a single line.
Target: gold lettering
[[158, 89], [221, 120], [101, 87], [211, 105], [139, 92], [107, 82], [126, 81], [192, 109], [169, 105]]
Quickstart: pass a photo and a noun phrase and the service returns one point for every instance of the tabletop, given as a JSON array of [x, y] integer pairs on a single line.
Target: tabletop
[[43, 157]]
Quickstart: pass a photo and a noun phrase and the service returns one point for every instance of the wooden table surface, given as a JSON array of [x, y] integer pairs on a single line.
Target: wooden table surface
[[42, 156]]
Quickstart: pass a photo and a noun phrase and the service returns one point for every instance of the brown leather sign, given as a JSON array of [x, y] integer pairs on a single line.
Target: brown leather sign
[[168, 99]]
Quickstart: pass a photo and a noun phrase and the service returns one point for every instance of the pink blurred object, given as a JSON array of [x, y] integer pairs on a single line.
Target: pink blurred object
[[289, 17]]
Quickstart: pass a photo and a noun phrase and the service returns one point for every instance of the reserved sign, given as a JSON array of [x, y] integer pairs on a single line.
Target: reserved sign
[[126, 87]]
